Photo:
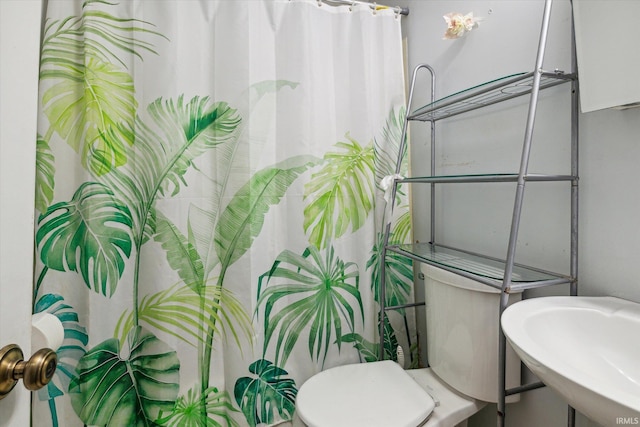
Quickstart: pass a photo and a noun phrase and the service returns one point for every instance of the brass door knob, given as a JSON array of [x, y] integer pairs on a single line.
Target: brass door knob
[[35, 373]]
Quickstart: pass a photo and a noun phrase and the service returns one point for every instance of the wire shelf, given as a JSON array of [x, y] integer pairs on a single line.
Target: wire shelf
[[476, 265], [488, 93], [495, 177]]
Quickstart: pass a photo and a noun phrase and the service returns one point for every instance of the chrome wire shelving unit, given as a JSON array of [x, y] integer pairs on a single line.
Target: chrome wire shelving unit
[[503, 274]]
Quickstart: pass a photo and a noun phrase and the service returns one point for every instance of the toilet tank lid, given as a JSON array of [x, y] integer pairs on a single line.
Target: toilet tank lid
[[452, 279], [376, 394]]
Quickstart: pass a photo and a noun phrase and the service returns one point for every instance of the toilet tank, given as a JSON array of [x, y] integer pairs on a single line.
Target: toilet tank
[[462, 334]]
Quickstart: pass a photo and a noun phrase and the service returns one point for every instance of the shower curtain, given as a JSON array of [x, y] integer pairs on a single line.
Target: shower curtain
[[209, 209]]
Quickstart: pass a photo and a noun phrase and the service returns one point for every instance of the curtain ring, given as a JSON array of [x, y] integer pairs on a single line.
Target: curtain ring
[[319, 3], [375, 8]]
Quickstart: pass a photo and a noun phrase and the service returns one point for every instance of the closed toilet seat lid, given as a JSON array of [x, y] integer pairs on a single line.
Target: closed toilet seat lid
[[376, 394]]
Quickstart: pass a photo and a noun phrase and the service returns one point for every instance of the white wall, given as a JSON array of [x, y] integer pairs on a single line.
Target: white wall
[[609, 221], [19, 47]]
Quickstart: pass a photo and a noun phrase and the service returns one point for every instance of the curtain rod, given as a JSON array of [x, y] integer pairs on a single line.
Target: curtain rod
[[374, 6]]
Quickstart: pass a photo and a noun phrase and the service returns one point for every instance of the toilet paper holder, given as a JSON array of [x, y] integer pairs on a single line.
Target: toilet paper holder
[[35, 372]]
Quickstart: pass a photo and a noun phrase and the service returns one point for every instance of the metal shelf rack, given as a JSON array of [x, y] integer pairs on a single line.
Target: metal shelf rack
[[503, 274]]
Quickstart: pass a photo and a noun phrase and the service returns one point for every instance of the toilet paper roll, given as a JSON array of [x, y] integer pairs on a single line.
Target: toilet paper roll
[[46, 331]]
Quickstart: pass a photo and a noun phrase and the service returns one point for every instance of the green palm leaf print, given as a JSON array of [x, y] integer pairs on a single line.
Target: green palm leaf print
[[188, 411], [91, 235], [318, 294], [233, 166], [243, 218], [181, 255], [91, 103], [369, 351], [96, 34], [190, 128], [260, 397], [187, 130], [186, 315], [387, 147], [126, 386], [341, 194], [45, 172], [402, 228], [399, 274]]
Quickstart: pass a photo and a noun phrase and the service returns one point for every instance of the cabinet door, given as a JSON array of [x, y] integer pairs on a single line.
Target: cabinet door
[[608, 54]]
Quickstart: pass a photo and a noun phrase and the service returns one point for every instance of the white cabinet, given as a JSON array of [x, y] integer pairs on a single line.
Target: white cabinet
[[608, 53]]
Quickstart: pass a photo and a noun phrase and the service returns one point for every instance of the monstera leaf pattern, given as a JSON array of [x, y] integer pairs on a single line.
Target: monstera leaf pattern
[[265, 395], [84, 125], [91, 235], [341, 194], [126, 386]]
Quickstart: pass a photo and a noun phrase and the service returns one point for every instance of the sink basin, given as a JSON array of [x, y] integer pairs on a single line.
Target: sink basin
[[587, 349]]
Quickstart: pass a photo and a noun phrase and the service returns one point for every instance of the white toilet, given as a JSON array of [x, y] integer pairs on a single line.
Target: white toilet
[[462, 338]]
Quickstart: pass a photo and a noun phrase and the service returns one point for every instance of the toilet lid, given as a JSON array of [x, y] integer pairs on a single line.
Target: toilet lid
[[376, 394]]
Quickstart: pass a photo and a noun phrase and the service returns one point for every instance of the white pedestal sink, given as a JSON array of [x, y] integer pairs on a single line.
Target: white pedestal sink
[[587, 349]]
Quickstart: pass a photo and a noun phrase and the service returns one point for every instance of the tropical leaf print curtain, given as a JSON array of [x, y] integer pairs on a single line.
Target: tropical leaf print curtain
[[209, 212]]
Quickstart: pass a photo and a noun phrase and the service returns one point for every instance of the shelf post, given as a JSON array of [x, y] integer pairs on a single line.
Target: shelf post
[[575, 138], [575, 147], [401, 150], [517, 208]]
